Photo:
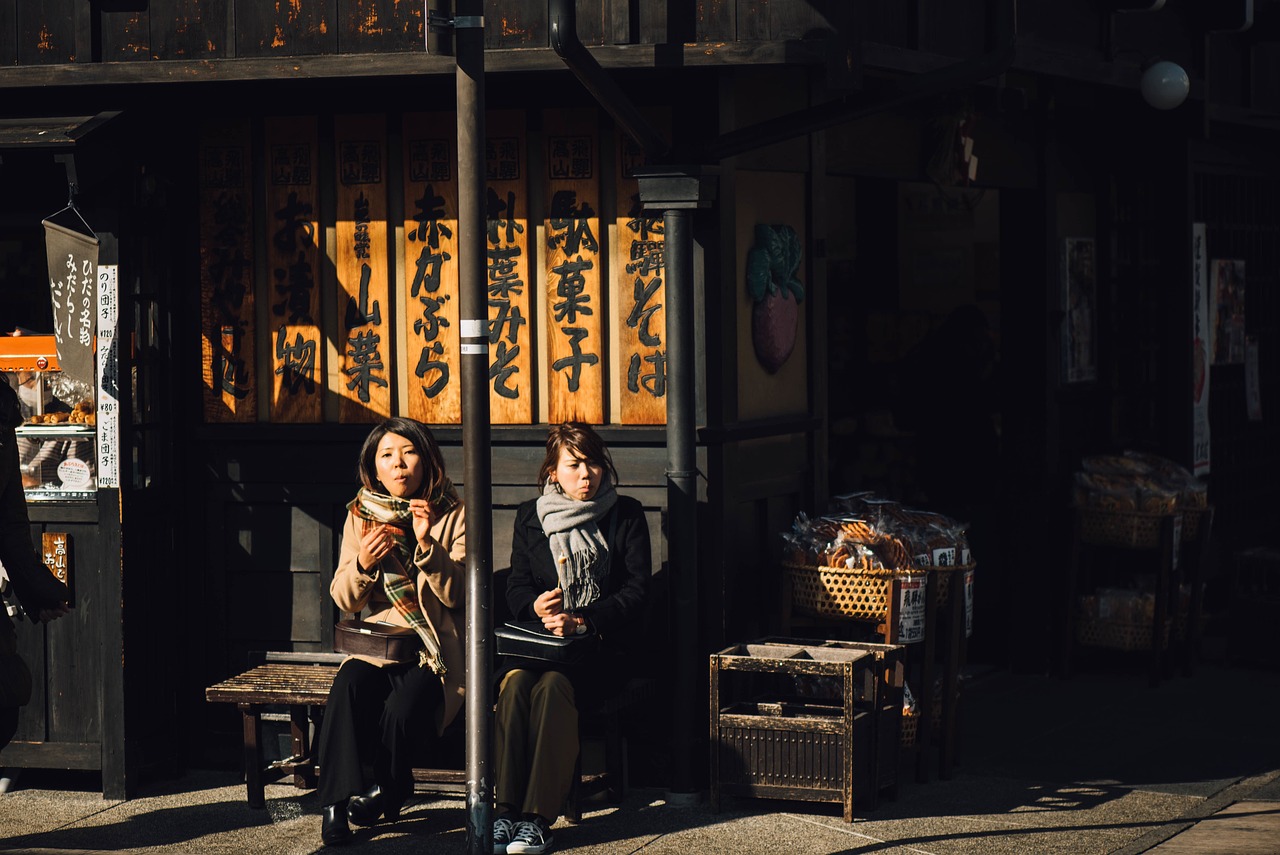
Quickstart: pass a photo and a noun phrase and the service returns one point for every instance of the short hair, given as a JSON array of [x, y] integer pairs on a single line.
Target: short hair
[[580, 439], [418, 434]]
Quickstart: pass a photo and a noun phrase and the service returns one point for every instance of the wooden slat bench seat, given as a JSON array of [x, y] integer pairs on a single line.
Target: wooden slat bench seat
[[301, 682]]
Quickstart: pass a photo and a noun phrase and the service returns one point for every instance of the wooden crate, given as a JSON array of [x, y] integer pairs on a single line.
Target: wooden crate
[[831, 748]]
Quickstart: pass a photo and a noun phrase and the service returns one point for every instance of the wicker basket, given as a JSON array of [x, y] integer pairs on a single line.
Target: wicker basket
[[910, 722], [1191, 518], [1117, 635], [1133, 529], [837, 592], [941, 585]]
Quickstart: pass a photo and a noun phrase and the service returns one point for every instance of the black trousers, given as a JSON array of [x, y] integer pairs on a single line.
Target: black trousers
[[8, 724], [377, 722]]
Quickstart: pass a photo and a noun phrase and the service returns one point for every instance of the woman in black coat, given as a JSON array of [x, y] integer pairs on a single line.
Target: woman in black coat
[[580, 564], [42, 596]]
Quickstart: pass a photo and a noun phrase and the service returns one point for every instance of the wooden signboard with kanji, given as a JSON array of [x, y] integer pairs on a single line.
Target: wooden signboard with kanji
[[361, 378], [431, 268], [292, 242], [507, 253], [639, 297], [56, 553], [226, 273], [575, 333]]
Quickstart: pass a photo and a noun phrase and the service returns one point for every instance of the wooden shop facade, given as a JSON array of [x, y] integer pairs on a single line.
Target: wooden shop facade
[[274, 193]]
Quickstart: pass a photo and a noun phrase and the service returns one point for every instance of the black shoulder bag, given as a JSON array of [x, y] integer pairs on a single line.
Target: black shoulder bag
[[528, 639]]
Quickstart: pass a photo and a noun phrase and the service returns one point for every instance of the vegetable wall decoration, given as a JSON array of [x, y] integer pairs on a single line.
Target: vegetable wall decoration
[[772, 263]]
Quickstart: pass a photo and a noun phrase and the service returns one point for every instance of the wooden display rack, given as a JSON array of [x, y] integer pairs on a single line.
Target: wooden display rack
[[943, 613], [1180, 554], [836, 746]]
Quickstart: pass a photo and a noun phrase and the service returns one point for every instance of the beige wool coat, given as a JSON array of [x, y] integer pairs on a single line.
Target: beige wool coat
[[441, 585]]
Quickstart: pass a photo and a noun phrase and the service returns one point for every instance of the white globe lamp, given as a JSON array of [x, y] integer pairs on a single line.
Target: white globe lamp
[[1165, 84]]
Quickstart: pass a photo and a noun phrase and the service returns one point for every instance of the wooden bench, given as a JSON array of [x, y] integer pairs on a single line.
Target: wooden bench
[[301, 682]]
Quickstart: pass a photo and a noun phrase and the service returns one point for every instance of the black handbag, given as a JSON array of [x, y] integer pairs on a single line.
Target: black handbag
[[530, 640], [377, 640]]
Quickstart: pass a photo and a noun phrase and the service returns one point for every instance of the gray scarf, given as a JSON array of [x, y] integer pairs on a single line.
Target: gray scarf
[[579, 548]]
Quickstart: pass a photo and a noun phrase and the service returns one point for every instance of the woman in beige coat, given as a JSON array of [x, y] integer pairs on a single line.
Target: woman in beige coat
[[403, 559]]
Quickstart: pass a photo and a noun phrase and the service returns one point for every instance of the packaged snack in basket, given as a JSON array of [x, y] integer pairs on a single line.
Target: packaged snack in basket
[[1108, 492], [1153, 497], [1192, 491], [908, 700], [1114, 464], [1125, 605]]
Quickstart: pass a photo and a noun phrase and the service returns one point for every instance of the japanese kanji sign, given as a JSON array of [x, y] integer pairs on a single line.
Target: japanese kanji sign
[[73, 290], [56, 554], [360, 255], [226, 273], [637, 266], [431, 268], [575, 335], [507, 254], [292, 243]]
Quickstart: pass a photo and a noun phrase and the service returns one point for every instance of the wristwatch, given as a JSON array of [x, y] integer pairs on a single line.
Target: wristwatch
[[581, 628]]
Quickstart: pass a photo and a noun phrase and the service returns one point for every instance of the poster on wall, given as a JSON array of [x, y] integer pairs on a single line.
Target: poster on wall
[[1252, 390], [1079, 302], [1227, 311], [108, 421], [1199, 351]]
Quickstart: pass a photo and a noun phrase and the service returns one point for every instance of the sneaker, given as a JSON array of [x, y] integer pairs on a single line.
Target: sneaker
[[503, 830], [531, 837]]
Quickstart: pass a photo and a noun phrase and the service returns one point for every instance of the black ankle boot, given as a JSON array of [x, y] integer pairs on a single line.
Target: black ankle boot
[[365, 809], [334, 830]]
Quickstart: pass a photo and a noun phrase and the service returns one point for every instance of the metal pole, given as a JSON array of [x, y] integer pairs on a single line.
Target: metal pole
[[473, 316], [678, 191], [682, 489]]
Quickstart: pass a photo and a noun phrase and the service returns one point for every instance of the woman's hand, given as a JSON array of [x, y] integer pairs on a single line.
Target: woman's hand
[[375, 544], [423, 519], [549, 604], [564, 623], [54, 613]]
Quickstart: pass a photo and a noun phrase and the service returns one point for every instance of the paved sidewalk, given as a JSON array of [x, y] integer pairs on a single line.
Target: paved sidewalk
[[1100, 763]]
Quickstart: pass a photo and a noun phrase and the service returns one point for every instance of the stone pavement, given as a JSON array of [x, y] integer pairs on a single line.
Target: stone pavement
[[1099, 763]]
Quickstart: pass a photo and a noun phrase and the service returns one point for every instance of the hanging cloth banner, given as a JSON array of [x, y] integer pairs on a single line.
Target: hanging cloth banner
[[73, 282]]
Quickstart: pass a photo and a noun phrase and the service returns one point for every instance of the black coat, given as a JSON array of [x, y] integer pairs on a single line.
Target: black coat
[[35, 587], [617, 615]]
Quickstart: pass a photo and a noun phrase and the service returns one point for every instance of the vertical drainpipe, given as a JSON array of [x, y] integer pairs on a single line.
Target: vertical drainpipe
[[477, 481], [677, 191]]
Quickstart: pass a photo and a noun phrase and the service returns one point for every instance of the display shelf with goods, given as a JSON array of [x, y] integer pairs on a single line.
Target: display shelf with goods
[[1138, 554], [806, 719], [903, 576], [57, 440]]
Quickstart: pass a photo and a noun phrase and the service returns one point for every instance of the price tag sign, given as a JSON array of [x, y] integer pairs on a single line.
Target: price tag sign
[[911, 609], [968, 603]]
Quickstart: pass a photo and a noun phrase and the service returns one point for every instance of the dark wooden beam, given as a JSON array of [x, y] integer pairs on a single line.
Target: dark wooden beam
[[808, 52], [52, 755]]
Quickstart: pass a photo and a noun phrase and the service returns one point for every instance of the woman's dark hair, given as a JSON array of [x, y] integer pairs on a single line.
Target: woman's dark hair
[[417, 433], [579, 439]]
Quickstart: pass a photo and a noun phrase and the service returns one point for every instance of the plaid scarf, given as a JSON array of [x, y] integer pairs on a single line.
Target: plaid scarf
[[399, 586]]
